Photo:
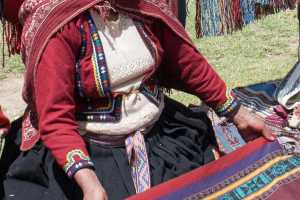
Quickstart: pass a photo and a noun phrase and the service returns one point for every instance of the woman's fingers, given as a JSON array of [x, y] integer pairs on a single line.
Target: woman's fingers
[[268, 134], [251, 126], [261, 128]]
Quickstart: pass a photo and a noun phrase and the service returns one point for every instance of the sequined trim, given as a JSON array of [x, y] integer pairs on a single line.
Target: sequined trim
[[79, 87], [99, 62], [229, 107], [76, 159], [111, 110], [105, 113]]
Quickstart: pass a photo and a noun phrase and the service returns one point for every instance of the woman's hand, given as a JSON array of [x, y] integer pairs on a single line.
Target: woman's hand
[[250, 126], [98, 193], [90, 185]]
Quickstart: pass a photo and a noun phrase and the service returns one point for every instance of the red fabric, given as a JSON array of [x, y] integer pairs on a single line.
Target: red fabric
[[11, 9], [182, 68], [288, 190], [4, 122], [38, 30], [174, 6], [55, 94], [200, 173], [50, 47]]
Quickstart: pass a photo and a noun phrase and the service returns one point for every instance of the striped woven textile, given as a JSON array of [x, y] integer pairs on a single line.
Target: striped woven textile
[[263, 99], [259, 170], [217, 17], [288, 92], [259, 99]]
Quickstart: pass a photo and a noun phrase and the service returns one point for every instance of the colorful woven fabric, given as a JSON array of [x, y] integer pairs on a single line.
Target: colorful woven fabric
[[109, 109], [76, 160], [99, 62], [229, 107], [259, 170], [138, 160], [228, 138], [259, 99], [288, 92], [224, 16]]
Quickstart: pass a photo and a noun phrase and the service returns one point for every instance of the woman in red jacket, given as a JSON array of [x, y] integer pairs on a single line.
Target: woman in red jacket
[[98, 125]]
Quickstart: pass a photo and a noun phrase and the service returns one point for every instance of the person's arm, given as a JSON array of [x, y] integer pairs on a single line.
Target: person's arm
[[184, 68], [55, 103]]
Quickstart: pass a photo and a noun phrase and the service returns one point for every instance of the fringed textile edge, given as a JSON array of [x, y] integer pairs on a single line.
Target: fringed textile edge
[[12, 34], [230, 15]]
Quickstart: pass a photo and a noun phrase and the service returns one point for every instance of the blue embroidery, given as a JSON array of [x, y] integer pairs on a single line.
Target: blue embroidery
[[263, 179], [110, 109]]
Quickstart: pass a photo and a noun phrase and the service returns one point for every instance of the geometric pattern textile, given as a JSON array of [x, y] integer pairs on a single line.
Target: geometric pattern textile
[[258, 170]]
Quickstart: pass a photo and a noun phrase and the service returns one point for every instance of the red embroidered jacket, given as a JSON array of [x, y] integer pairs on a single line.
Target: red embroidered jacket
[[181, 68]]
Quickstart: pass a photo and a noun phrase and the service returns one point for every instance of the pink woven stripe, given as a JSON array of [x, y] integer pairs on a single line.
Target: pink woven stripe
[[138, 160]]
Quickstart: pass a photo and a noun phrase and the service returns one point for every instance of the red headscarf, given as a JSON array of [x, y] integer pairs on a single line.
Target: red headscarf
[[43, 18]]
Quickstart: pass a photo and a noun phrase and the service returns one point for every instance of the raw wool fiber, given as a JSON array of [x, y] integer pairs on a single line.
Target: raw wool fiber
[[218, 17]]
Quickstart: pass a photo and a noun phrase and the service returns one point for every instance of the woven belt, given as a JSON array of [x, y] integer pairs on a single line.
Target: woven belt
[[138, 160], [136, 152]]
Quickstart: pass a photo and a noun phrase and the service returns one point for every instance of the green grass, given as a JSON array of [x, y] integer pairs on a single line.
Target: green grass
[[13, 65], [262, 51]]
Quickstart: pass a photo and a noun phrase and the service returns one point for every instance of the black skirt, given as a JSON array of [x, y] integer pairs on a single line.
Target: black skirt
[[180, 141]]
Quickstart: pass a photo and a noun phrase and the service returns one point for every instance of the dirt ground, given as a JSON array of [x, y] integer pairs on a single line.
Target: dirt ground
[[10, 98]]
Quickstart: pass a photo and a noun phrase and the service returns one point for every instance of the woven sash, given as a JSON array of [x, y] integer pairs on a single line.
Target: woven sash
[[138, 160]]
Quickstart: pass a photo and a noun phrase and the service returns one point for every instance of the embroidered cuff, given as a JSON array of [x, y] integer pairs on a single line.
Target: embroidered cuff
[[229, 108], [76, 160]]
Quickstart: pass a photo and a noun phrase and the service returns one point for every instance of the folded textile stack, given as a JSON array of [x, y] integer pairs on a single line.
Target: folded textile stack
[[217, 17]]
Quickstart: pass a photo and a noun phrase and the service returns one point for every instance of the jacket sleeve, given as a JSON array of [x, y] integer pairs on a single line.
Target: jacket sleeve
[[55, 100], [184, 68]]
